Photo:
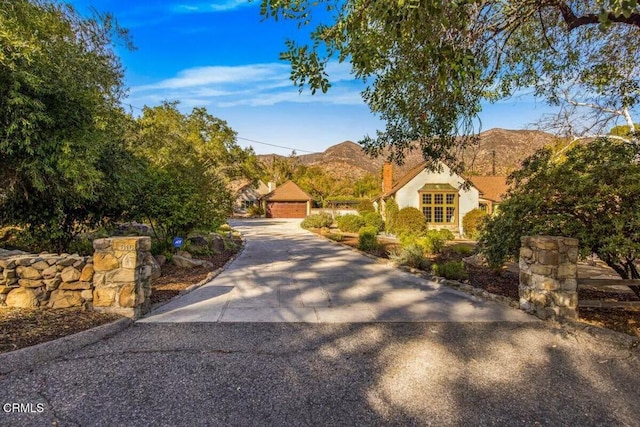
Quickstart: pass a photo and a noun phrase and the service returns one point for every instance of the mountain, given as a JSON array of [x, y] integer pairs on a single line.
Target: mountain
[[347, 159]]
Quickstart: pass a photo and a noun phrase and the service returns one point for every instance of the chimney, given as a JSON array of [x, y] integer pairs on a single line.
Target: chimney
[[387, 177], [271, 186]]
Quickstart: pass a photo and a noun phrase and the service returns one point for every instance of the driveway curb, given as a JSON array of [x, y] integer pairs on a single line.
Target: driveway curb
[[41, 353]]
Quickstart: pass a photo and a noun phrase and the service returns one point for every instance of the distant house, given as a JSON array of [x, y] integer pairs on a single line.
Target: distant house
[[440, 196], [247, 194], [286, 201]]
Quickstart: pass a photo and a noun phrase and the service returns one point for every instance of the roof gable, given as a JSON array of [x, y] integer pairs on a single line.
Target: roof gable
[[287, 192], [410, 175]]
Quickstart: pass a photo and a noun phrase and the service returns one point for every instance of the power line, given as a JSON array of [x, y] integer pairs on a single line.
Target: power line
[[277, 146]]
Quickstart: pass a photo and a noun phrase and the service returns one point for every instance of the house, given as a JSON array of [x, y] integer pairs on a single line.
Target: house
[[286, 201], [440, 196], [492, 190], [247, 194]]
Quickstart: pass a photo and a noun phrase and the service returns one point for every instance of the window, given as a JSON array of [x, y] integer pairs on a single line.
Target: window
[[439, 203]]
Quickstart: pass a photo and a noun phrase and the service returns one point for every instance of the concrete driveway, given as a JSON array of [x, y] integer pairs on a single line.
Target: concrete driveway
[[287, 274]]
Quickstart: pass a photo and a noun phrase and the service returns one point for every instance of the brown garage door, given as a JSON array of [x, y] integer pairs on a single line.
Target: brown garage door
[[286, 209]]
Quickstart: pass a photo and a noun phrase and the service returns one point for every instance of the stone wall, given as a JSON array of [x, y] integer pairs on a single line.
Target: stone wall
[[46, 280], [549, 276], [117, 279]]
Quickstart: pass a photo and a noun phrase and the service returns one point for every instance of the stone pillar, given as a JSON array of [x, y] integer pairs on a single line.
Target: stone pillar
[[549, 276], [122, 275]]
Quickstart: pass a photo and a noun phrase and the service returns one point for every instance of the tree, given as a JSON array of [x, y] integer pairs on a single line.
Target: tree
[[61, 126], [427, 81], [592, 195], [191, 159]]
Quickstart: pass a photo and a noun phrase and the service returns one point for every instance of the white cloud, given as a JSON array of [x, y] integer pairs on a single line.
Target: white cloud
[[212, 6], [247, 85]]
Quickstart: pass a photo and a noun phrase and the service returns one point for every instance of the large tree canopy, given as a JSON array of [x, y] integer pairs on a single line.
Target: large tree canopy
[[61, 126], [428, 64]]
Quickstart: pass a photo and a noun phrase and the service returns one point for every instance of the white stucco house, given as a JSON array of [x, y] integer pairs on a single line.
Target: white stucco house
[[440, 196]]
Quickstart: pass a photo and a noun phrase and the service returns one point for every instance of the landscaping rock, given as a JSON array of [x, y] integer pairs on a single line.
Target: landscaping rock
[[104, 262], [22, 298], [75, 286], [160, 260], [184, 254], [50, 272], [217, 243], [183, 262]]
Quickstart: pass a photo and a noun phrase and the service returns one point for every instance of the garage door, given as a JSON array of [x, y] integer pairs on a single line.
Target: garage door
[[286, 210]]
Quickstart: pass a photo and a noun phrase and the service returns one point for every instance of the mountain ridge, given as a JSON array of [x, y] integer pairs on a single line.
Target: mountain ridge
[[511, 147]]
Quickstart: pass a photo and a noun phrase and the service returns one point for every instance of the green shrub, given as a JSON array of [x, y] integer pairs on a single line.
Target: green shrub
[[471, 223], [337, 237], [255, 210], [350, 223], [410, 220], [365, 205], [373, 219], [465, 250], [431, 241], [446, 234], [81, 246], [410, 255], [391, 213], [368, 239], [224, 228], [321, 220], [452, 270]]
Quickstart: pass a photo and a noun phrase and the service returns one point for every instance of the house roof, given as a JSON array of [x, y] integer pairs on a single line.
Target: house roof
[[438, 187], [491, 187], [287, 192], [404, 180], [239, 185]]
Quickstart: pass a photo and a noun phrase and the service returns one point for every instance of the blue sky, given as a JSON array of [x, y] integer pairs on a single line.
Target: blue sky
[[220, 54]]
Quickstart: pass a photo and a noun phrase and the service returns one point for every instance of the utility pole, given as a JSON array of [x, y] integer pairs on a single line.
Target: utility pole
[[493, 161]]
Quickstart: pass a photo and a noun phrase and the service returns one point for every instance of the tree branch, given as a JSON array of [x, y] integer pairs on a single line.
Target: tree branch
[[574, 21]]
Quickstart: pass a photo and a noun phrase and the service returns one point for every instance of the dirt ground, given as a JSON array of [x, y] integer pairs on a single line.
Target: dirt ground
[[21, 328]]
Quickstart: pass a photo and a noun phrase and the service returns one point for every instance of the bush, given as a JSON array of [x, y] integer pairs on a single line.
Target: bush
[[471, 223], [365, 206], [431, 242], [465, 250], [368, 239], [337, 237], [321, 220], [452, 270], [410, 255], [255, 210], [350, 223], [391, 213], [373, 219], [446, 234], [410, 221]]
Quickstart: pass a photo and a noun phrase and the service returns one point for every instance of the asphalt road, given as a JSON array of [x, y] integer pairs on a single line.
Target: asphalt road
[[246, 374]]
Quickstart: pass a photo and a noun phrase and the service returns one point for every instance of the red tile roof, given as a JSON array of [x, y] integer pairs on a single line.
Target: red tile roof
[[491, 187], [287, 192]]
